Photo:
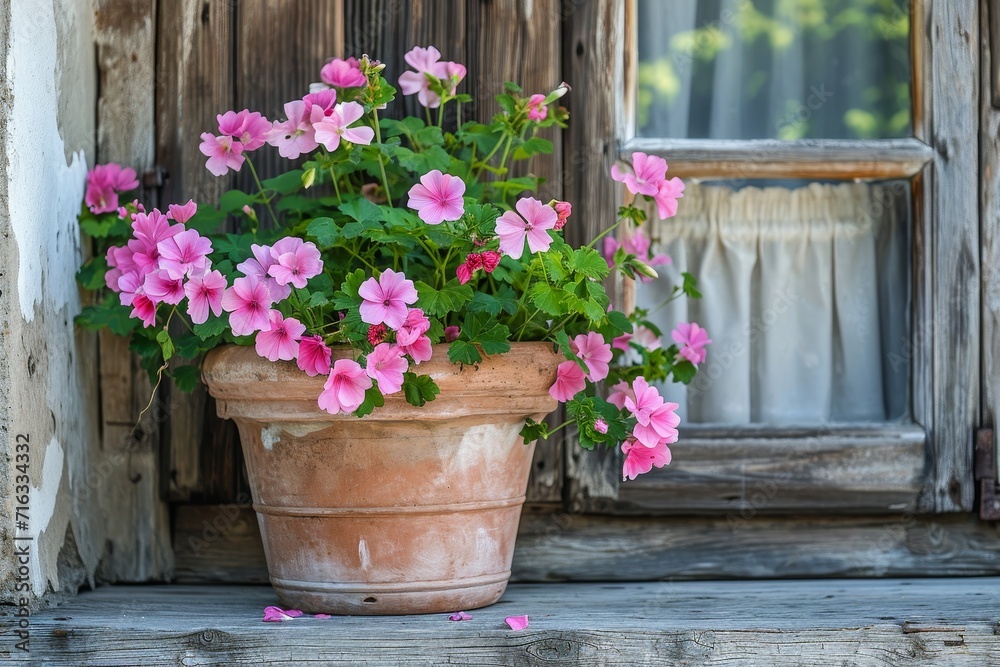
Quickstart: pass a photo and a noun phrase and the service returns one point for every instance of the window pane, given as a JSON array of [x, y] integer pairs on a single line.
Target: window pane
[[786, 69], [805, 297]]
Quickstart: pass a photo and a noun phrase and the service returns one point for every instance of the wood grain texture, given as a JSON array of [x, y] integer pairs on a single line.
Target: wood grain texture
[[281, 45], [195, 82], [761, 471], [989, 218], [811, 159], [953, 132], [864, 623], [555, 545], [137, 522], [593, 63]]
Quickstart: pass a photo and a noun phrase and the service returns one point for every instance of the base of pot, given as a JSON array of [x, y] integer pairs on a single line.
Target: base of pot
[[366, 599]]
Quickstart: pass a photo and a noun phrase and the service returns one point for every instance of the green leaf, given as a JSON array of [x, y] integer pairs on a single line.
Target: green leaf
[[419, 389], [235, 246], [684, 371], [503, 301], [690, 286], [373, 399], [589, 263], [550, 300], [438, 303], [464, 352], [324, 230], [187, 378], [213, 326], [346, 298], [207, 220], [91, 274], [166, 344], [98, 227], [534, 431], [619, 322], [365, 215], [533, 146], [235, 200], [479, 331], [285, 184]]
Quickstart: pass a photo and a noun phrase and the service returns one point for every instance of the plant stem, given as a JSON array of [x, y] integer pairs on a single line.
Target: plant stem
[[267, 200], [381, 164], [336, 188], [605, 232]]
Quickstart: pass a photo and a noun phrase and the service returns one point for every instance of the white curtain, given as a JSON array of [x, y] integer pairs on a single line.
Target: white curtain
[[804, 296]]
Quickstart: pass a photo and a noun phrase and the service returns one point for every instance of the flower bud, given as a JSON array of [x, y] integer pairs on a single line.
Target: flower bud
[[561, 90], [644, 269]]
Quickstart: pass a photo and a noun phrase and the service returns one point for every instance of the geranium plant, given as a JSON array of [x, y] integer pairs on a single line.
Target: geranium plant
[[390, 236]]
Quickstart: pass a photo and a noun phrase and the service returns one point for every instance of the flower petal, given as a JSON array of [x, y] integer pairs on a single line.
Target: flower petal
[[517, 622]]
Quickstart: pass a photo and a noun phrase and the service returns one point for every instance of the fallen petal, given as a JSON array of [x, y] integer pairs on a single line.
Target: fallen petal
[[517, 622], [276, 615], [294, 613], [323, 616], [460, 616]]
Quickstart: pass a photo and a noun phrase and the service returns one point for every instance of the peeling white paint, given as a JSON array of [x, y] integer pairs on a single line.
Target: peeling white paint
[[269, 436], [44, 193], [363, 555], [42, 502]]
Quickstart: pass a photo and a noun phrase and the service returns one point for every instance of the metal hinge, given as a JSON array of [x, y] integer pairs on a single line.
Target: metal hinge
[[985, 469]]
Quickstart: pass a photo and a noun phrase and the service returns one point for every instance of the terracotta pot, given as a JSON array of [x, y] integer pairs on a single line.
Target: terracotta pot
[[408, 510]]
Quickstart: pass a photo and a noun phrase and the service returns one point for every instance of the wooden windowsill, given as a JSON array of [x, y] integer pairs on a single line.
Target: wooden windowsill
[[858, 622]]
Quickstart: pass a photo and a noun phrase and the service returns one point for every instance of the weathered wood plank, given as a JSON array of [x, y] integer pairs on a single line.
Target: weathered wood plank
[[216, 545], [194, 84], [136, 525], [280, 48], [884, 623], [751, 472], [594, 64], [815, 159], [951, 81], [555, 545], [989, 216], [519, 41]]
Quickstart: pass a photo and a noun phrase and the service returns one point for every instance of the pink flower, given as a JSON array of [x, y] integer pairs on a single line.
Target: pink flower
[[224, 153], [182, 213], [610, 247], [160, 287], [411, 336], [249, 305], [377, 334], [144, 309], [296, 136], [385, 300], [460, 616], [619, 392], [258, 267], [342, 73], [570, 380], [645, 337], [641, 459], [656, 421], [277, 614], [296, 265], [537, 111], [427, 64], [314, 356], [184, 253], [386, 364], [491, 260], [621, 343], [247, 127], [667, 194], [281, 339], [204, 293], [594, 352], [451, 334], [516, 622], [533, 224], [692, 339], [600, 425], [473, 262], [324, 99], [345, 389], [104, 182], [437, 197], [648, 171], [331, 129], [563, 210]]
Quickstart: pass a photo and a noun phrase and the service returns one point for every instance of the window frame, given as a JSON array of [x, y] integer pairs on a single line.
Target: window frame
[[923, 466]]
